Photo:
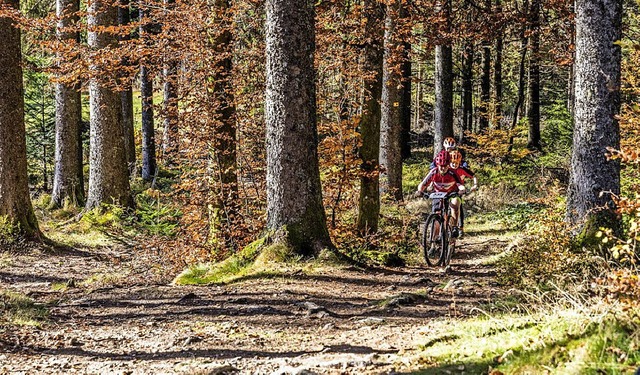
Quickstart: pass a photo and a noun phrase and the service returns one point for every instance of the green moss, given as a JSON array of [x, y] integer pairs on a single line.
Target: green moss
[[238, 265], [17, 309], [565, 341]]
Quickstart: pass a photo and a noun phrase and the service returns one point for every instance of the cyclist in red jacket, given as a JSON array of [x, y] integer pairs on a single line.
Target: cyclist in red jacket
[[442, 179], [464, 174]]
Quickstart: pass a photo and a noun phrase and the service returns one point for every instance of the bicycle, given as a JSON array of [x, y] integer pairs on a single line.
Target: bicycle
[[439, 245]]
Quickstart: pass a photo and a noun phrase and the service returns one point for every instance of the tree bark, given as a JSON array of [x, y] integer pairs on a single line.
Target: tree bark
[[406, 92], [170, 142], [108, 172], [485, 86], [224, 179], [369, 201], [497, 72], [391, 116], [467, 87], [443, 111], [146, 94], [68, 175], [15, 202], [593, 178], [126, 96], [294, 194], [533, 142]]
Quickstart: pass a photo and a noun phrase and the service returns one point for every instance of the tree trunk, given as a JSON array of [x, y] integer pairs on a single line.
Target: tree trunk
[[126, 96], [524, 41], [170, 105], [294, 194], [485, 86], [405, 118], [533, 142], [108, 173], [369, 202], [68, 175], [391, 116], [467, 87], [443, 111], [15, 203], [570, 79], [497, 72], [593, 178], [224, 180], [146, 95]]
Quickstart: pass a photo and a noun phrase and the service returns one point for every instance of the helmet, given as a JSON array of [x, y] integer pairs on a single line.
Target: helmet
[[456, 158], [449, 143], [443, 158]]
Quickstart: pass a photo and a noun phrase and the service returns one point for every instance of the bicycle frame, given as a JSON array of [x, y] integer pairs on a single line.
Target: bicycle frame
[[449, 241]]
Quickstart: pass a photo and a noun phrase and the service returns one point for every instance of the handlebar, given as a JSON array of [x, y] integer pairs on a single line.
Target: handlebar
[[441, 195]]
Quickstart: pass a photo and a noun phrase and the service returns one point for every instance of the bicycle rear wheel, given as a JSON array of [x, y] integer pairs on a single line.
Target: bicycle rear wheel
[[434, 240]]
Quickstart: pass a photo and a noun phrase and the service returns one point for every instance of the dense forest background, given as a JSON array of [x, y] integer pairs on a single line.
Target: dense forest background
[[226, 139]]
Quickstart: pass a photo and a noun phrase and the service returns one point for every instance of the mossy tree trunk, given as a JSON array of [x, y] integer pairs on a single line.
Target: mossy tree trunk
[[593, 178], [68, 177], [108, 172], [15, 202], [294, 194], [373, 56]]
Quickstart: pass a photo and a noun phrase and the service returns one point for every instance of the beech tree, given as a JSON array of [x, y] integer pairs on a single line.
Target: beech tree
[[593, 178], [68, 184], [373, 57], [108, 173], [15, 202], [294, 194]]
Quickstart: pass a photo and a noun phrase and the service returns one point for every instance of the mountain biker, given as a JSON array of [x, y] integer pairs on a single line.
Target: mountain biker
[[443, 179], [462, 173], [450, 144]]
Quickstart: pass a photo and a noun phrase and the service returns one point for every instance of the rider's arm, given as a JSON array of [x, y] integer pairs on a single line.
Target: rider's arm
[[427, 183], [475, 183]]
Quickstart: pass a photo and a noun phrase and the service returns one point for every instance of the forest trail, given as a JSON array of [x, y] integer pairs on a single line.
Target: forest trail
[[125, 320]]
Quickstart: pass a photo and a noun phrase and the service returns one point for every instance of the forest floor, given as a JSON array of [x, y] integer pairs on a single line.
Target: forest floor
[[111, 310]]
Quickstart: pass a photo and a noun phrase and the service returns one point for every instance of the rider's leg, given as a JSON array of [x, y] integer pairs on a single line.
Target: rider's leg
[[454, 205]]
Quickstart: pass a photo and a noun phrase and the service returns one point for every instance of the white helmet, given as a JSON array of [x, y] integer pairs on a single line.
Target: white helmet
[[449, 143]]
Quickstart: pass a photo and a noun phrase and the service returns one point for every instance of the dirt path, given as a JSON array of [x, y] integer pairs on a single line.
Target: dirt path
[[329, 322]]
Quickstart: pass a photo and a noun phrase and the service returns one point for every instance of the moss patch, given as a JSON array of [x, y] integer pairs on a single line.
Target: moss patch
[[560, 341], [18, 309]]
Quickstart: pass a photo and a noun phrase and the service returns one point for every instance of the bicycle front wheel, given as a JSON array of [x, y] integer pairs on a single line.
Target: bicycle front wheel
[[434, 240]]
